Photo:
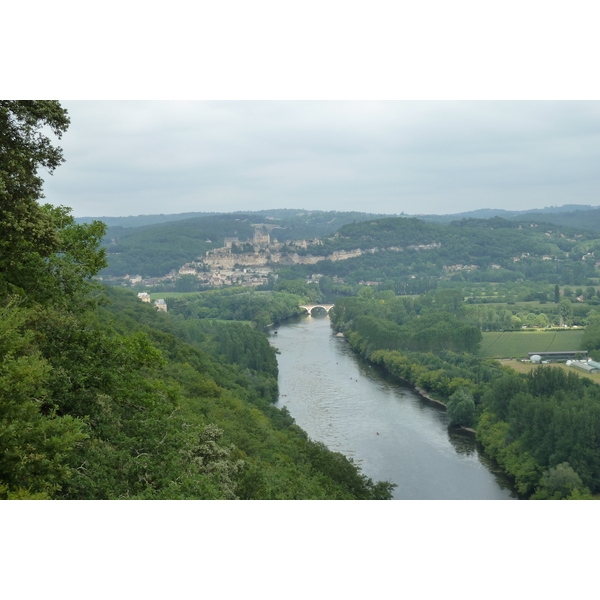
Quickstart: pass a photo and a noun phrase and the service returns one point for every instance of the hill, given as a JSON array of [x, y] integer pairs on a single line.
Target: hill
[[335, 218], [154, 245], [498, 250], [488, 213], [584, 219], [152, 250], [143, 220]]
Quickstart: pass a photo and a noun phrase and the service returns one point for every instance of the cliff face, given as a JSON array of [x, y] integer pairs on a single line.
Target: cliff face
[[227, 260]]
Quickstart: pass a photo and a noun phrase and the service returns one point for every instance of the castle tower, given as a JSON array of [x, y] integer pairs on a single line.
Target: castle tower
[[261, 238]]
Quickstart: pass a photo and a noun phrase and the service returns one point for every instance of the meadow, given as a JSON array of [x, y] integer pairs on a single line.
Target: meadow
[[517, 344]]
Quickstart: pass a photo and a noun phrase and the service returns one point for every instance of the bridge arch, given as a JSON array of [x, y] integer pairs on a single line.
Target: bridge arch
[[309, 307]]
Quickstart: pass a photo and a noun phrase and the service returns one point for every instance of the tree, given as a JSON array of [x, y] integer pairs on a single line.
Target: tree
[[187, 283], [42, 251], [366, 292], [560, 483], [449, 300], [309, 292], [262, 320], [214, 460], [515, 322], [36, 444], [46, 261], [461, 408], [565, 310], [23, 150]]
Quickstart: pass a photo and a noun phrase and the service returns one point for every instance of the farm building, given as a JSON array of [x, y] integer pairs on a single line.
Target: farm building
[[560, 356], [582, 366]]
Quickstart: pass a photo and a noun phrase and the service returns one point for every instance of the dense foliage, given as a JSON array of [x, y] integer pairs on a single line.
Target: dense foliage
[[155, 250], [240, 304], [431, 323]]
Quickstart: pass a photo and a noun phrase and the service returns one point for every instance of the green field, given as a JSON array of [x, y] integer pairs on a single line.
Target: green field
[[507, 344], [156, 295]]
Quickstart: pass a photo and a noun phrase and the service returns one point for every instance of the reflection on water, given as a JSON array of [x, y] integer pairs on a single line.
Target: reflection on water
[[389, 430], [463, 442]]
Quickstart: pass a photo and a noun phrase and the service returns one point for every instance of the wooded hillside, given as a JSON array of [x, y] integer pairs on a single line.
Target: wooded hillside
[[101, 397]]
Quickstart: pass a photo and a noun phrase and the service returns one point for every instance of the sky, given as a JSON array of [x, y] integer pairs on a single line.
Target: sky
[[414, 157]]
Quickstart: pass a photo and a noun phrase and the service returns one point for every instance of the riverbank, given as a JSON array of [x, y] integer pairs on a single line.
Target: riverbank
[[428, 397]]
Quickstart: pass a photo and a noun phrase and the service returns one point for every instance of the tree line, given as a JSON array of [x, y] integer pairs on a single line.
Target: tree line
[[261, 308]]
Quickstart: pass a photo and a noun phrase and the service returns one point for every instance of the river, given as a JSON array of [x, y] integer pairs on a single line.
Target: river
[[389, 430]]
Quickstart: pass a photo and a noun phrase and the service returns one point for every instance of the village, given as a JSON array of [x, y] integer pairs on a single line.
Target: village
[[242, 263], [253, 262]]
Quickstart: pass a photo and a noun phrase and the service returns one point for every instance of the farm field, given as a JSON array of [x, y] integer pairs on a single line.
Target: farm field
[[505, 344]]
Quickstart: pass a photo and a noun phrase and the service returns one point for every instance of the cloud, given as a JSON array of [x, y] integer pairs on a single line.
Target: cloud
[[141, 157]]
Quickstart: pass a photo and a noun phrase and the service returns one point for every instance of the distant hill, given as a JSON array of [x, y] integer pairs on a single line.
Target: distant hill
[[154, 250], [488, 213], [143, 220], [153, 245], [289, 217], [393, 250], [303, 215], [587, 219]]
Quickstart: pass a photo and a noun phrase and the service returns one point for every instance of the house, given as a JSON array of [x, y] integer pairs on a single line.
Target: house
[[187, 270], [160, 305]]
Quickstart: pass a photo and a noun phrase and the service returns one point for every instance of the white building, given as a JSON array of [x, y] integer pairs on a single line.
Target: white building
[[160, 305]]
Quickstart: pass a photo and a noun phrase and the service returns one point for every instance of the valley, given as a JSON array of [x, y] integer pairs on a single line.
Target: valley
[[107, 396]]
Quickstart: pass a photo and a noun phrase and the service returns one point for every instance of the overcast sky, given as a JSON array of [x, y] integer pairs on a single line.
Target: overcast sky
[[437, 157]]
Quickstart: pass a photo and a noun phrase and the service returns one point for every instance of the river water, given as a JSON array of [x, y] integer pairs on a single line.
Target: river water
[[389, 430]]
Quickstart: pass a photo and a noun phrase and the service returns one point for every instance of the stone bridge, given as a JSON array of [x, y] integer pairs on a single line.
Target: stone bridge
[[309, 307]]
